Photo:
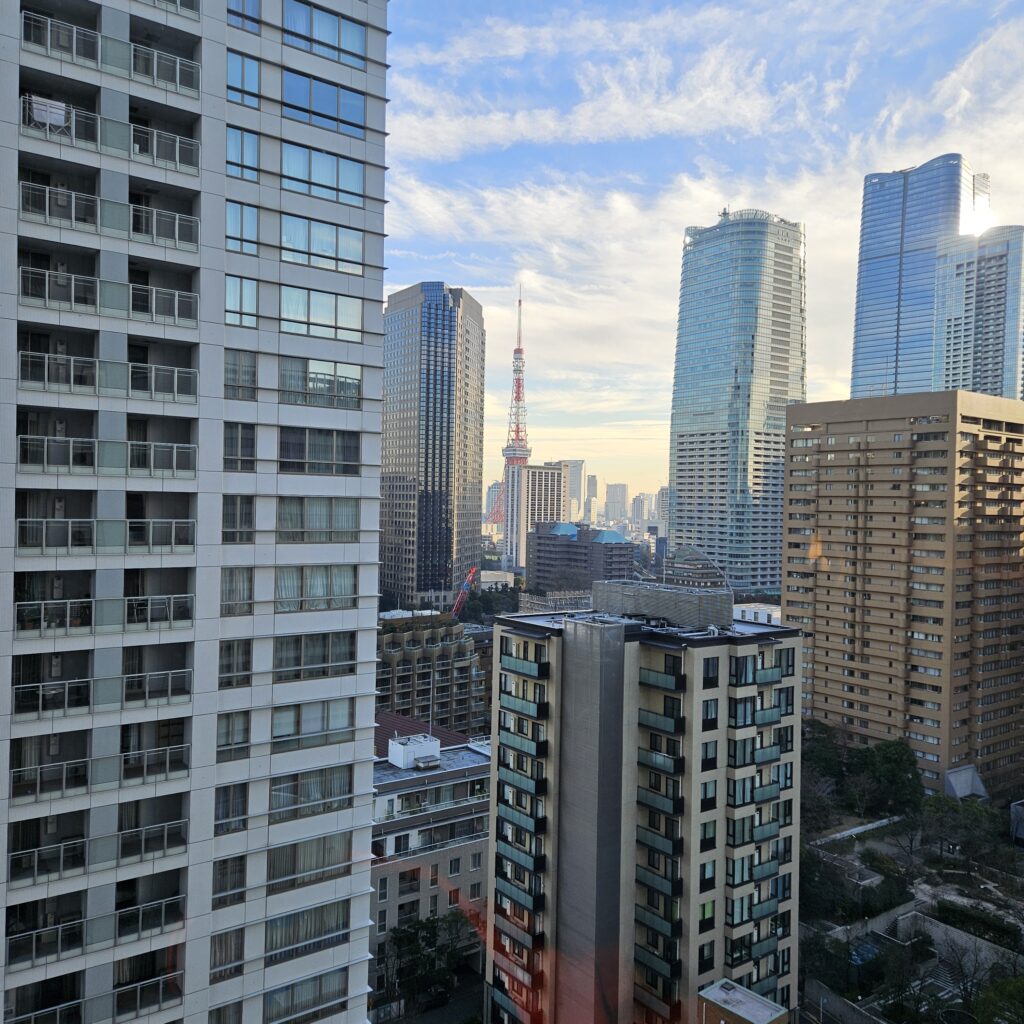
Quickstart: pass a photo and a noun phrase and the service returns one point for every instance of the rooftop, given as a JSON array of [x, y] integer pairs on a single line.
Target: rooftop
[[471, 755], [730, 995], [391, 724]]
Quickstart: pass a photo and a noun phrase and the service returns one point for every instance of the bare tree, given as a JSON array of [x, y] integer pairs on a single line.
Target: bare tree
[[969, 968]]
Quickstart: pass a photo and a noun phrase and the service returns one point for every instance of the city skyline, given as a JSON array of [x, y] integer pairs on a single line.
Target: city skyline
[[568, 214]]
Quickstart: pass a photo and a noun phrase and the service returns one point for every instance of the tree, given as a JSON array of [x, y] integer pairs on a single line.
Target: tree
[[817, 800], [821, 751], [892, 767], [425, 955], [860, 793], [969, 968], [905, 835], [1003, 1001]]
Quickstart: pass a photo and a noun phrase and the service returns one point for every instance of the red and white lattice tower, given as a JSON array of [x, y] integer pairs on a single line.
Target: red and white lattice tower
[[517, 449]]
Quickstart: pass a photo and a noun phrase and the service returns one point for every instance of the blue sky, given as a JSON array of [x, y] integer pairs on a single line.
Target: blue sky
[[566, 147]]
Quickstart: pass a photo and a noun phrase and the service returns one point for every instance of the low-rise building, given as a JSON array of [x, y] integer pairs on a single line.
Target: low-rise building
[[566, 556], [725, 1002]]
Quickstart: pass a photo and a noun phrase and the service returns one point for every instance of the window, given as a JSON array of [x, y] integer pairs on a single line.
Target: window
[[232, 736], [308, 862], [321, 314], [454, 866], [228, 882], [243, 79], [433, 876], [323, 104], [319, 382], [706, 957], [314, 451], [475, 861], [230, 808], [321, 174], [305, 588], [239, 447], [239, 301], [243, 154], [227, 954], [307, 1000], [244, 14], [382, 889], [453, 897], [708, 836], [707, 876], [382, 920], [708, 755], [241, 228], [237, 512], [787, 661], [313, 656], [298, 726], [475, 891], [706, 916], [306, 931], [708, 795], [235, 664], [317, 520], [710, 673], [236, 590], [230, 1014], [709, 714], [316, 243], [239, 373], [324, 33], [432, 905], [306, 794]]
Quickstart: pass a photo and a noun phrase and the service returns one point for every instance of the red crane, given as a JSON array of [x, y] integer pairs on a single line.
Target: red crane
[[460, 601]]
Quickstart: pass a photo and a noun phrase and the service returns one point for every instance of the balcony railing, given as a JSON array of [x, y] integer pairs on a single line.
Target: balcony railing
[[535, 709], [674, 682], [533, 669], [87, 616], [767, 676], [54, 289], [71, 126], [765, 755], [73, 938], [764, 909], [767, 830], [83, 46], [101, 536], [94, 696], [88, 456], [75, 856], [767, 716], [60, 208], [83, 375], [122, 1004]]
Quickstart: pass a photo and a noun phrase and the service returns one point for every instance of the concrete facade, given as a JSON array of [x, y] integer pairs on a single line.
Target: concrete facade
[[561, 556]]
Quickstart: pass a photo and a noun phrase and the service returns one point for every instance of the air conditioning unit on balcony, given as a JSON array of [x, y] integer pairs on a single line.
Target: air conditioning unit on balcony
[[56, 663], [50, 825]]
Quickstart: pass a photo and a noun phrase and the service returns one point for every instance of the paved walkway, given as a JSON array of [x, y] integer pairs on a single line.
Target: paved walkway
[[467, 1003]]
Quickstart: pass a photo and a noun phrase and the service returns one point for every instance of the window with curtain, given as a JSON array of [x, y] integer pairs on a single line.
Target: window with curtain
[[243, 79], [228, 882], [306, 794], [244, 14], [324, 175], [313, 656], [318, 452], [232, 736], [305, 588], [230, 808], [313, 860], [240, 301], [317, 520], [322, 103], [238, 512], [230, 1014], [306, 931], [235, 667], [313, 724], [240, 447], [240, 374], [311, 999], [319, 382], [321, 314], [317, 243], [320, 31], [227, 954], [243, 154], [236, 590]]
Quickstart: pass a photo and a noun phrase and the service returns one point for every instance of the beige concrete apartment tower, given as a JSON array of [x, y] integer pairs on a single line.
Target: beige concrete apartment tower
[[902, 562]]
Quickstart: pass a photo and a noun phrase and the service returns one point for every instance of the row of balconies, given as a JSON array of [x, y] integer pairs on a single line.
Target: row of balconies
[[69, 697], [89, 456], [105, 536], [88, 616], [83, 375]]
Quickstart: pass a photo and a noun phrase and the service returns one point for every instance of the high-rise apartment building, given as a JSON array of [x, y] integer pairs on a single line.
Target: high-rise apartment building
[[564, 556], [433, 455], [645, 785], [191, 395], [590, 499], [533, 494], [572, 487], [493, 497], [740, 360], [904, 530], [616, 502], [979, 313], [904, 216], [662, 504]]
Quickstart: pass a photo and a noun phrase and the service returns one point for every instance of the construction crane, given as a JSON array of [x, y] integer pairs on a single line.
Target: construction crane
[[460, 601]]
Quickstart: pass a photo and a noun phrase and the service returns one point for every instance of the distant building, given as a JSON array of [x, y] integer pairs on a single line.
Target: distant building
[[753, 611], [556, 601], [616, 502], [533, 494], [432, 456], [725, 1002], [572, 487], [493, 497], [430, 833], [641, 510], [590, 499], [428, 669], [561, 556], [662, 504]]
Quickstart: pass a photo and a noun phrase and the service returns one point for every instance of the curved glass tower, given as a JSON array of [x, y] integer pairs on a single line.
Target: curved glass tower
[[740, 360], [903, 217]]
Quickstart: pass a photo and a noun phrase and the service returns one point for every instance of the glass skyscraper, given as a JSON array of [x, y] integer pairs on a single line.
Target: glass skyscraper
[[904, 216], [740, 360], [432, 475]]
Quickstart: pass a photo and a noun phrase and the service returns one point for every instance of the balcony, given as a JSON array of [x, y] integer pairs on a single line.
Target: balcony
[[767, 716], [77, 293], [535, 748], [86, 617], [534, 863], [58, 699], [531, 939], [651, 879], [536, 787], [533, 669], [660, 802], [511, 1007], [76, 856], [105, 536], [87, 456], [673, 682], [78, 375], [765, 755], [676, 726], [647, 917], [656, 841], [122, 1004], [66, 125], [69, 778], [531, 901], [766, 986], [46, 945], [57, 207], [762, 794], [655, 961], [537, 825], [765, 947], [535, 709], [660, 762], [83, 46], [766, 908], [766, 869], [767, 830], [768, 676]]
